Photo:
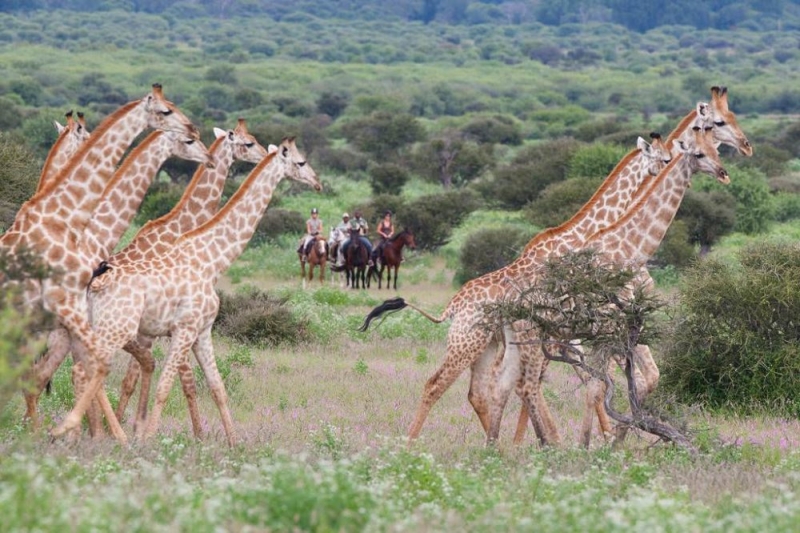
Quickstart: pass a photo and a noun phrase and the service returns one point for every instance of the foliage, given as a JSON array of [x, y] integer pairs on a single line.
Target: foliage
[[559, 201], [255, 317], [675, 249], [450, 159], [388, 179], [595, 160], [433, 217], [383, 134], [497, 129], [487, 250], [707, 215], [531, 171], [161, 197], [19, 175], [277, 222], [737, 340]]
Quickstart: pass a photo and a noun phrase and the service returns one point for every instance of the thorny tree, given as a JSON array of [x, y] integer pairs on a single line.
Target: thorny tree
[[580, 296]]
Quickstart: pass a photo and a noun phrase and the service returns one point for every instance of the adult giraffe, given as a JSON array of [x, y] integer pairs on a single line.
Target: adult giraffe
[[466, 346], [115, 210], [172, 293], [71, 137], [52, 221]]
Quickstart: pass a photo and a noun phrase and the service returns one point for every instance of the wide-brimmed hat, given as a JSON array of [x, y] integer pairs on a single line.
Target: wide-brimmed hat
[[314, 210], [345, 215]]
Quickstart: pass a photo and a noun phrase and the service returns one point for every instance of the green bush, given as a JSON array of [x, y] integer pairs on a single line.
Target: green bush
[[786, 206], [161, 197], [497, 129], [676, 249], [533, 169], [487, 250], [560, 201], [433, 217], [254, 317], [737, 339], [277, 222], [595, 160], [19, 172], [388, 178], [707, 216]]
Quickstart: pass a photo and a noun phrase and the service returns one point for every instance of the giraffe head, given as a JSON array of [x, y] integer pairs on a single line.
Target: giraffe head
[[656, 154], [701, 150], [188, 148], [726, 129], [245, 146], [74, 131], [294, 164], [164, 115]]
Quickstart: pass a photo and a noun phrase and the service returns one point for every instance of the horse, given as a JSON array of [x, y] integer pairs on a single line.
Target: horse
[[355, 261], [392, 256], [317, 256], [335, 240]]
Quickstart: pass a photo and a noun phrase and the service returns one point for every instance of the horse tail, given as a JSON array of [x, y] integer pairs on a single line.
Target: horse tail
[[393, 305]]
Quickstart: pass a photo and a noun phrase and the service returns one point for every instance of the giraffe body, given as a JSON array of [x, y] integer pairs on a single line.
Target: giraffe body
[[172, 294]]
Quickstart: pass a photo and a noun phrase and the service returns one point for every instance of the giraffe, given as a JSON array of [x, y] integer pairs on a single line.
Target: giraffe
[[70, 137], [635, 237], [115, 210], [467, 347], [172, 293], [197, 205], [51, 222]]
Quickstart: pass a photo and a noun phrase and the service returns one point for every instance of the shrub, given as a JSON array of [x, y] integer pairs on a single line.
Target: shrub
[[675, 249], [707, 216], [450, 160], [560, 201], [786, 206], [388, 178], [532, 170], [254, 317], [277, 222], [159, 200], [737, 340], [432, 218], [487, 250], [497, 129], [332, 104], [382, 134], [595, 160], [19, 172]]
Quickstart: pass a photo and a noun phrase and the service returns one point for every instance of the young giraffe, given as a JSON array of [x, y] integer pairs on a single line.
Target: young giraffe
[[466, 345], [726, 131], [198, 204], [173, 294], [635, 237], [70, 138], [52, 221], [115, 210]]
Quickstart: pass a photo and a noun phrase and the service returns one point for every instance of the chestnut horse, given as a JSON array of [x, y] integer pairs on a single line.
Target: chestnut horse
[[392, 255], [317, 257]]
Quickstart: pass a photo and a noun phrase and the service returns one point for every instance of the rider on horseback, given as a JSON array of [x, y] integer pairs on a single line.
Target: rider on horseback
[[313, 230], [385, 231], [360, 225]]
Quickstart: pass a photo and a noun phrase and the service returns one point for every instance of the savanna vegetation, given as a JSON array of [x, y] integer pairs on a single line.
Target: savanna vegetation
[[477, 124]]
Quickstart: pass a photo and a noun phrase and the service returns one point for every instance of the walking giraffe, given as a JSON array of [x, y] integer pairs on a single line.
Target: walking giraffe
[[469, 346], [172, 293], [115, 211], [51, 222]]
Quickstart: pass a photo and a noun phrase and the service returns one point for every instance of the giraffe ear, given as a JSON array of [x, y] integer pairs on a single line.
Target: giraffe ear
[[702, 109], [219, 133], [642, 145], [271, 149], [59, 127]]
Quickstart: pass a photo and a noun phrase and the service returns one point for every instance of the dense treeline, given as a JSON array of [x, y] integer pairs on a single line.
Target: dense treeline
[[633, 14]]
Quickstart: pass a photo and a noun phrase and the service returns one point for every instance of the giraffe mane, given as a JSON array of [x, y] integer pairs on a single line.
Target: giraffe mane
[[682, 125], [119, 174], [243, 189], [104, 126], [564, 226], [56, 145]]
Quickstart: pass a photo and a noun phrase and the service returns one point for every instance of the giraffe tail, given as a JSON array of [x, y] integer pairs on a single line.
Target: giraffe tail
[[391, 306]]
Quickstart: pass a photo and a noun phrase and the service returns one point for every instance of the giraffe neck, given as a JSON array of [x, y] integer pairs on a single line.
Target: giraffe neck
[[218, 242], [57, 158], [75, 191], [189, 213], [636, 236], [122, 197]]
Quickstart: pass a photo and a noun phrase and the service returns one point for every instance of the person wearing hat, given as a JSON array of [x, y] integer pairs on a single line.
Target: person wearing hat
[[357, 223], [344, 230], [313, 230]]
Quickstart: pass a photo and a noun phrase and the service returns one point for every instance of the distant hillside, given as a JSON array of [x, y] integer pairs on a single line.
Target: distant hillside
[[636, 15]]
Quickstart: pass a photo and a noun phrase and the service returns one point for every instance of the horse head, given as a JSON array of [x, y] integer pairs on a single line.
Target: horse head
[[409, 238]]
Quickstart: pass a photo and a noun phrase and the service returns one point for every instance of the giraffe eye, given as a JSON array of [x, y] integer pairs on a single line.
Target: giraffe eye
[[700, 155], [719, 123], [666, 161], [301, 164], [190, 141], [166, 113], [249, 145]]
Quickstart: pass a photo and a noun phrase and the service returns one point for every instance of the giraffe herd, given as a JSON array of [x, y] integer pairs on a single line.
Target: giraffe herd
[[624, 221], [162, 283]]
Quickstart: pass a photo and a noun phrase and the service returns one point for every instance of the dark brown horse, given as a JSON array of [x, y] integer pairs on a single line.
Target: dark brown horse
[[392, 256], [317, 257], [356, 259]]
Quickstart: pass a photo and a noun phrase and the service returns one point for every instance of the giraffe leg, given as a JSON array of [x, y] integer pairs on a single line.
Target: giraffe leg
[[42, 372], [204, 352], [182, 341], [505, 375], [534, 364], [127, 387], [141, 351], [190, 393], [481, 389], [80, 377], [457, 360]]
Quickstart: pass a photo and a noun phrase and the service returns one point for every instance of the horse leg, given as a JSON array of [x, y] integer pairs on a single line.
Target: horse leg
[[396, 267]]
